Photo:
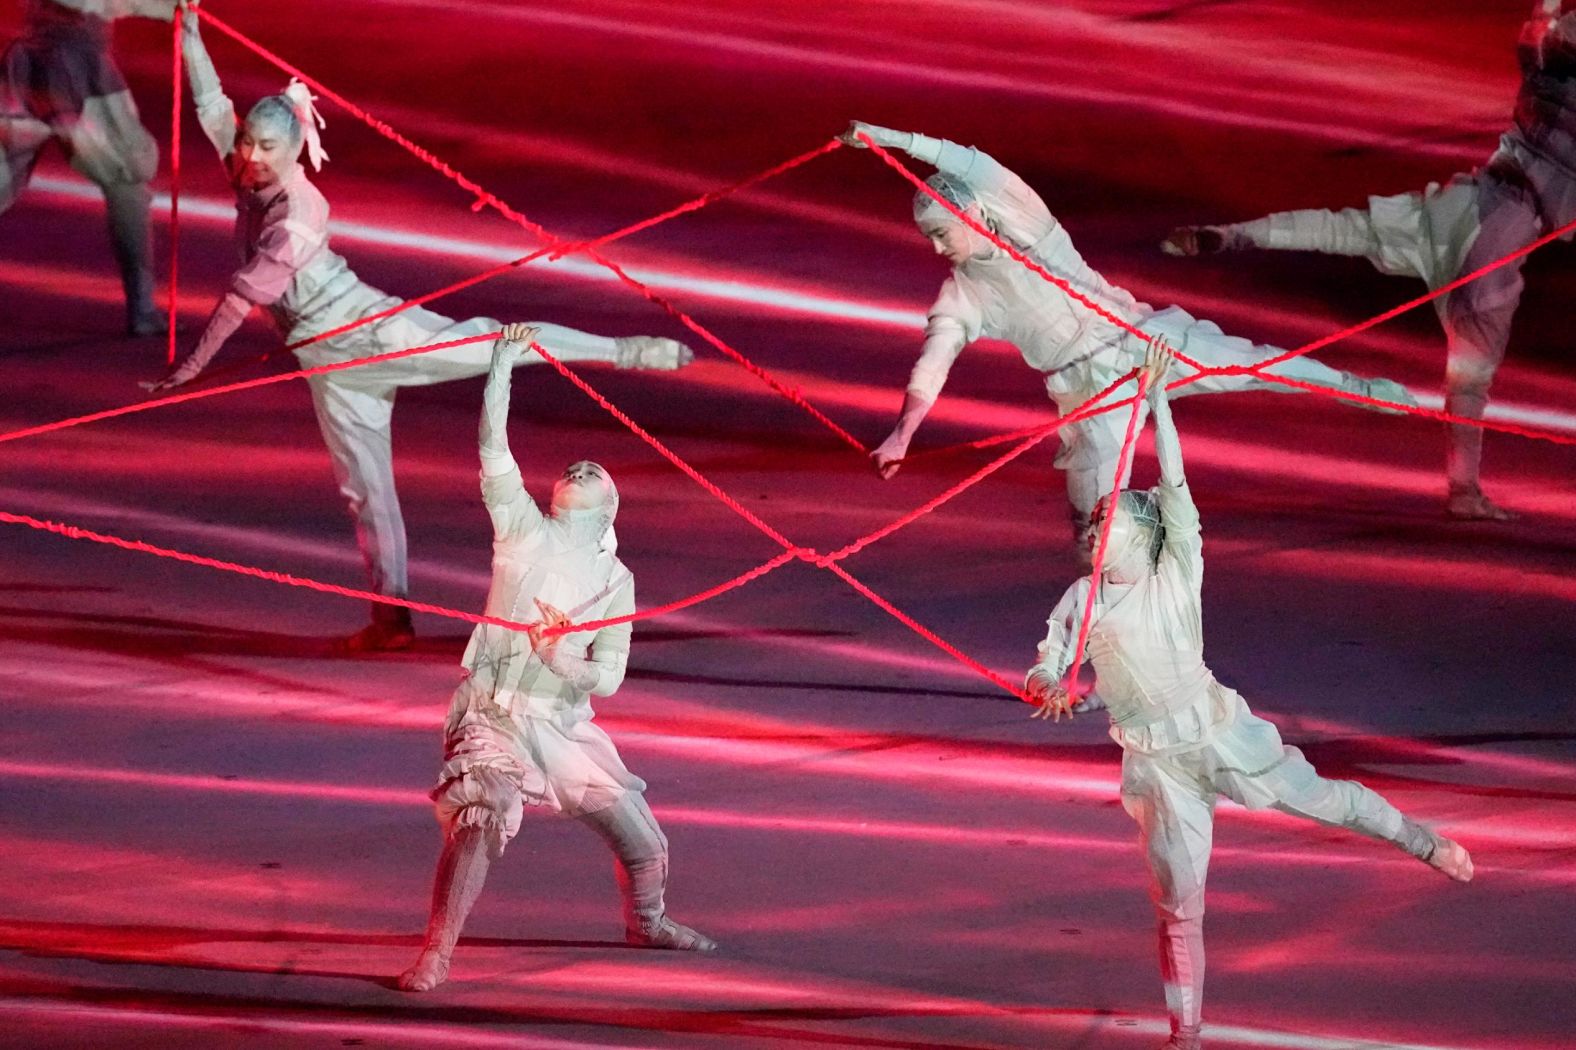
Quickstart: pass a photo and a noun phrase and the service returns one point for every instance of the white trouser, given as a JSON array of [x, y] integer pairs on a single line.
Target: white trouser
[[1349, 231], [355, 409], [1173, 800], [1092, 472]]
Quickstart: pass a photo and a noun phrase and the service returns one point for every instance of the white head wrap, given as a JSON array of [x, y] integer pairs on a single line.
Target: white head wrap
[[926, 207], [594, 523], [1144, 509], [303, 102]]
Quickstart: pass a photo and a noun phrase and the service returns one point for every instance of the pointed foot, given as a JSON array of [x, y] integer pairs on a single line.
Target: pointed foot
[[1188, 241], [431, 970], [652, 353], [1472, 505], [665, 933]]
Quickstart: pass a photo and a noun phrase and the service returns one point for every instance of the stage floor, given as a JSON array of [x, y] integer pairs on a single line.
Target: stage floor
[[215, 831]]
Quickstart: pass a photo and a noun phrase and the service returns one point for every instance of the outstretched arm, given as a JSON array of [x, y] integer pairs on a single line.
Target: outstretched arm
[[1548, 40], [1044, 682], [1016, 211], [945, 339], [215, 111]]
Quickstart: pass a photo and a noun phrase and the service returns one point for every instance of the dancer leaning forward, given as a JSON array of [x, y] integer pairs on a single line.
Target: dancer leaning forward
[[1187, 739], [520, 729], [289, 269]]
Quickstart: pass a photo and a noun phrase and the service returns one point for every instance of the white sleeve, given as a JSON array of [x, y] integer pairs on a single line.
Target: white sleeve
[[953, 322], [1060, 645], [1018, 213], [603, 672]]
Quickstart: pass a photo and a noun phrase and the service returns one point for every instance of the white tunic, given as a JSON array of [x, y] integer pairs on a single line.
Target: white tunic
[[516, 732], [1078, 352], [1146, 644]]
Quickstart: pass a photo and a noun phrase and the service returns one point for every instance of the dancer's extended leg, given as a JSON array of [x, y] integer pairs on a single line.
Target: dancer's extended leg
[[641, 851]]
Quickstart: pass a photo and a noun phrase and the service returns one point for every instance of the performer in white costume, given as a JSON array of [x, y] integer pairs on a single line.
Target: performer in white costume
[[520, 729], [1527, 188], [59, 81], [990, 294], [289, 269], [1186, 738]]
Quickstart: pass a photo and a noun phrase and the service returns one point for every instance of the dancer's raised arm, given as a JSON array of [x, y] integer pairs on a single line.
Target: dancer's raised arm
[[503, 491], [215, 111]]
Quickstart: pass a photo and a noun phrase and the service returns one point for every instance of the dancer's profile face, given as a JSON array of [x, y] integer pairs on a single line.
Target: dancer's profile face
[[583, 486], [266, 151], [954, 241]]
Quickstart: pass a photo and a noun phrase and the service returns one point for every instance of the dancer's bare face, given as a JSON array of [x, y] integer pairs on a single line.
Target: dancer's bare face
[[954, 241], [584, 486], [266, 151]]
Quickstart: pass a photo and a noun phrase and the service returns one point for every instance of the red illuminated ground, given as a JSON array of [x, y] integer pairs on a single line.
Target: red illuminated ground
[[214, 832]]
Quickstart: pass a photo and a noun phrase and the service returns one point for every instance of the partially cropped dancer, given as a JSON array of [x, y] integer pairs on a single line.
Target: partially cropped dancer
[[520, 730], [1187, 739], [289, 269], [992, 295], [1527, 188], [59, 81]]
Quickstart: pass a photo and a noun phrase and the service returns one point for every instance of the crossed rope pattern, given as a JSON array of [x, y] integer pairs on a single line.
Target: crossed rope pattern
[[555, 248]]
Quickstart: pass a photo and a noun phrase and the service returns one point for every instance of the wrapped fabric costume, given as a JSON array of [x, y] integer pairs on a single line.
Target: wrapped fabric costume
[[520, 729], [991, 295], [1186, 738], [1426, 235], [1527, 188], [288, 268], [59, 81]]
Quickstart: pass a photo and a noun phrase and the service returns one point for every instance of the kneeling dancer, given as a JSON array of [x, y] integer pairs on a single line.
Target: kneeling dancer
[[1187, 739], [520, 727]]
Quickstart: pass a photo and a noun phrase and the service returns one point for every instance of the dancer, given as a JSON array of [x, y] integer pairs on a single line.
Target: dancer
[[1425, 234], [1527, 188], [289, 269], [1187, 739], [59, 81], [520, 727], [991, 294]]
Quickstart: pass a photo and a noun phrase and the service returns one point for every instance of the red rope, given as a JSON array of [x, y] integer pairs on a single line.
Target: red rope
[[926, 633], [789, 548], [1098, 564], [683, 603], [1033, 438], [1258, 369], [1535, 433], [666, 453], [1410, 304], [75, 533], [484, 198], [177, 79]]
